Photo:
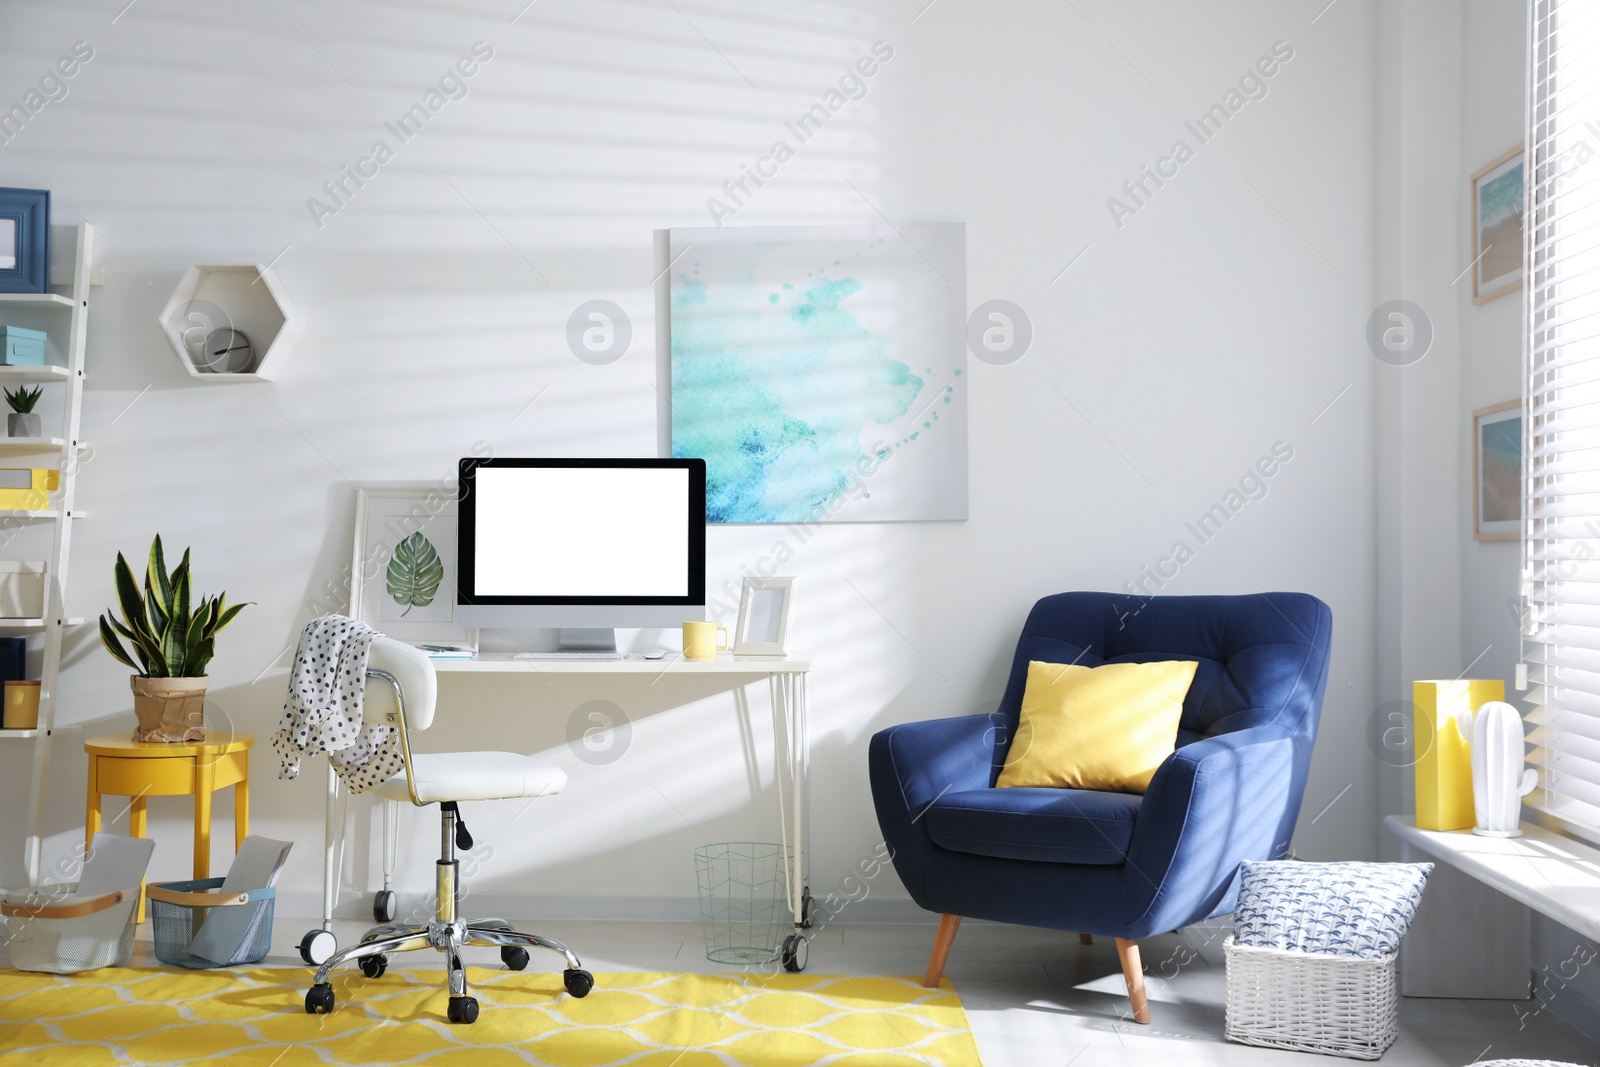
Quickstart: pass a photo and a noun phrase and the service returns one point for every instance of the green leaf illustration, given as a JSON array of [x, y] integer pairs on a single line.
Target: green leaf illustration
[[414, 573]]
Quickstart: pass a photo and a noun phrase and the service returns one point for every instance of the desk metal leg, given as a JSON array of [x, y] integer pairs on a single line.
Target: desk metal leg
[[319, 944], [802, 796], [330, 854], [780, 756], [789, 699], [384, 906]]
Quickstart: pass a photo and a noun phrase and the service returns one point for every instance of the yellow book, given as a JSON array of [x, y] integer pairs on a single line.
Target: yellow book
[[1443, 740], [27, 488]]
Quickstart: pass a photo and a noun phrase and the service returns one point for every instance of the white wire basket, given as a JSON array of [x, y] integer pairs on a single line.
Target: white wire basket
[[57, 930], [1311, 1001]]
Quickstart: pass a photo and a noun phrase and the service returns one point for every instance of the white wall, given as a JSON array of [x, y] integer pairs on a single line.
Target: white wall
[[1418, 569], [1226, 315]]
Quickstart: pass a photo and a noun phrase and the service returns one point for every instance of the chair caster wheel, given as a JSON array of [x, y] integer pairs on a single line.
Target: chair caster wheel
[[384, 907], [513, 957], [319, 999], [463, 1009], [577, 981], [318, 946], [795, 951], [374, 966]]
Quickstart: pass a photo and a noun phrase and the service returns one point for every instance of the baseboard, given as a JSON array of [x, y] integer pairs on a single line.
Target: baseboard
[[1578, 1012], [307, 905]]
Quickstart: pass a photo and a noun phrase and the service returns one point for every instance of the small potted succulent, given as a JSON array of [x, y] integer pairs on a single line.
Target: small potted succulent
[[173, 638], [23, 421]]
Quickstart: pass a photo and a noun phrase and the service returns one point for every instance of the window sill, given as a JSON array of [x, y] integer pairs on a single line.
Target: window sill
[[1554, 875]]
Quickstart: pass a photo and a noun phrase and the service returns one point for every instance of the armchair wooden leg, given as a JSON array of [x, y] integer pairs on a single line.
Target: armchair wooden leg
[[1133, 974], [1085, 939], [941, 949]]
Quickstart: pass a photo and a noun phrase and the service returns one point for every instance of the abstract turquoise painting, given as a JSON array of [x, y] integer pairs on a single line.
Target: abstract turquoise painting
[[820, 371]]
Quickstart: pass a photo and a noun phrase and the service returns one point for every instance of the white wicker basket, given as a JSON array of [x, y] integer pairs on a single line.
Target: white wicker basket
[[1311, 1001]]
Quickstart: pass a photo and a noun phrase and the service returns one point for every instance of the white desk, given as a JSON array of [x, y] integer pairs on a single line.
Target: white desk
[[725, 663], [786, 677]]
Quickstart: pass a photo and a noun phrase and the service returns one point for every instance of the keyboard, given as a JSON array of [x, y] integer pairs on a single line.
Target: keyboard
[[570, 655]]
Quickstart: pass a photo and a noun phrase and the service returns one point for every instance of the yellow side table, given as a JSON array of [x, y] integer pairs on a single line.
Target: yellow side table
[[141, 769]]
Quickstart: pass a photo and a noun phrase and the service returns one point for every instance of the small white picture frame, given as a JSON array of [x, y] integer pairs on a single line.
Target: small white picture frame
[[763, 622]]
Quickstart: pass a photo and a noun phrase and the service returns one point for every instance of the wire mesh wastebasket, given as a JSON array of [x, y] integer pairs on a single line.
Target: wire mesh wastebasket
[[743, 912]]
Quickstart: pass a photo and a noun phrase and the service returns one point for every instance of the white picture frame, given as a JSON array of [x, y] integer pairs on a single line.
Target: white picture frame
[[387, 514], [763, 624]]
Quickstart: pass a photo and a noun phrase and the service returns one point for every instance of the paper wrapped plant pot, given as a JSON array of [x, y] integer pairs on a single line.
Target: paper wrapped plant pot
[[169, 709]]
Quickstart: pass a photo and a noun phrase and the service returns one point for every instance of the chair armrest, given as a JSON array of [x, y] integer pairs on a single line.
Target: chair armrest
[[1212, 805], [929, 759], [910, 767]]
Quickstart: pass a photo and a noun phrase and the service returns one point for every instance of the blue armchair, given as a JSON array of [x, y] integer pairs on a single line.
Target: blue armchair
[[1115, 864]]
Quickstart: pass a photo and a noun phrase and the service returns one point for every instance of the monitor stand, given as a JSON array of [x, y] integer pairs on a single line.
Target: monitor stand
[[587, 639]]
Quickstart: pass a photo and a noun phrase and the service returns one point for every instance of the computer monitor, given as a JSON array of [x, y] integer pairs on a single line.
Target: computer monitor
[[581, 544]]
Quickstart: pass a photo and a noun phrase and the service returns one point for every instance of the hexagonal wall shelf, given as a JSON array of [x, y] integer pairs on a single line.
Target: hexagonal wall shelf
[[230, 322]]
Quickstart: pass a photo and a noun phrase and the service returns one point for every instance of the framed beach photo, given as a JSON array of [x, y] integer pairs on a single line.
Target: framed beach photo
[[763, 622], [403, 566], [24, 240], [1497, 235], [1497, 472]]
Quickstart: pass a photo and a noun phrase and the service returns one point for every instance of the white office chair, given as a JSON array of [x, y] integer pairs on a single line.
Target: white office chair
[[402, 690]]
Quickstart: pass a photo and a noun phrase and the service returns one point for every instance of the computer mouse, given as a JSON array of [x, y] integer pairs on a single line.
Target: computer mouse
[[655, 653]]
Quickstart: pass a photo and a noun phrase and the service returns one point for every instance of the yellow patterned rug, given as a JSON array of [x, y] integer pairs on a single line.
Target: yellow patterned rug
[[257, 1017]]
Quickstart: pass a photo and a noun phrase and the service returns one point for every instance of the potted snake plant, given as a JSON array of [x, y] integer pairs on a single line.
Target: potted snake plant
[[173, 636]]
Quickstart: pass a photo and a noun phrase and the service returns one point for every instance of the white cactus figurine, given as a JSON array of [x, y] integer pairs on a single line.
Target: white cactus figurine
[[1499, 780]]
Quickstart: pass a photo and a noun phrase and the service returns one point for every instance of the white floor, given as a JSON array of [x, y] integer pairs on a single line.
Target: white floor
[[1037, 997]]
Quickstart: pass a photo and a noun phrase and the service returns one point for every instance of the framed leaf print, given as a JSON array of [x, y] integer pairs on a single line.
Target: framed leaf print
[[403, 570]]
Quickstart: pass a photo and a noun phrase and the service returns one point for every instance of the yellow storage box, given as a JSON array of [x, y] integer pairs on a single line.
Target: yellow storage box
[[27, 488], [1443, 740]]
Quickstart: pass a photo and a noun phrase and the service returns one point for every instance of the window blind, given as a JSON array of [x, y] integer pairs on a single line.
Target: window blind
[[1561, 454]]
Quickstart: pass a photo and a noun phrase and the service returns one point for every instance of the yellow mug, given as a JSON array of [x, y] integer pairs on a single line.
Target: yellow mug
[[703, 640]]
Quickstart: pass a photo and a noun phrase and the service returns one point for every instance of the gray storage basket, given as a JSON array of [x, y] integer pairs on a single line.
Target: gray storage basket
[[54, 929], [742, 909], [225, 928]]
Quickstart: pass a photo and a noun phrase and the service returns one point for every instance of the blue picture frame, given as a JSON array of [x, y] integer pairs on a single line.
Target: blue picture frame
[[24, 240]]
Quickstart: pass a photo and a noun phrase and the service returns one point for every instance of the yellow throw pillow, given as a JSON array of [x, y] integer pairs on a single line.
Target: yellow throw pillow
[[1106, 727]]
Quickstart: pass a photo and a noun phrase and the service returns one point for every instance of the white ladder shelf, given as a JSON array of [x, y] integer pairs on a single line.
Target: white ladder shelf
[[67, 305]]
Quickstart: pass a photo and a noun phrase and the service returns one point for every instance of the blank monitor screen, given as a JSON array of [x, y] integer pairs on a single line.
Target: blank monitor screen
[[582, 531]]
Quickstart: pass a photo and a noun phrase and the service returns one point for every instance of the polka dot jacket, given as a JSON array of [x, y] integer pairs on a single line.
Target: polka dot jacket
[[323, 712]]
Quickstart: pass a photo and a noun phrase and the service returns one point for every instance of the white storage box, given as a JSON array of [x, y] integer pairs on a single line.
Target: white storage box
[[78, 926], [22, 589], [1311, 1001]]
